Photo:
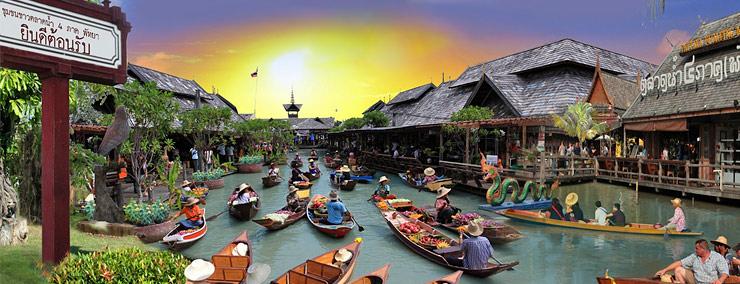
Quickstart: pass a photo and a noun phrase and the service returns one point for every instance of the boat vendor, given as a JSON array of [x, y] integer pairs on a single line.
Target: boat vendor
[[703, 266], [678, 221], [344, 175], [573, 212], [294, 203], [297, 158], [328, 159], [193, 213], [273, 171], [313, 153], [600, 214], [335, 210], [429, 175], [242, 194], [616, 217], [312, 167], [476, 249], [445, 211], [555, 211], [384, 188], [297, 175]]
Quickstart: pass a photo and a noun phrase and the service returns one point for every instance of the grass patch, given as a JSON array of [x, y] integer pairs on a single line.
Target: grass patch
[[22, 263]]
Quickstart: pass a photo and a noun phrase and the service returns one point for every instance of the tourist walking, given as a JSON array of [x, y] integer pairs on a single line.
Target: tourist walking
[[230, 153], [194, 158]]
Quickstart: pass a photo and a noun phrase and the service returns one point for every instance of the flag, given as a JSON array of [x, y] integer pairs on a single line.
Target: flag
[[255, 73]]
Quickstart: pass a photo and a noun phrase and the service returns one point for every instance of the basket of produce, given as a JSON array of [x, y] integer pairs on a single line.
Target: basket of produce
[[198, 192], [409, 228], [429, 241], [464, 219], [318, 205], [399, 202]]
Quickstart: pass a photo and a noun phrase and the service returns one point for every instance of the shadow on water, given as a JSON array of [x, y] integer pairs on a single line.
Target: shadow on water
[[546, 254]]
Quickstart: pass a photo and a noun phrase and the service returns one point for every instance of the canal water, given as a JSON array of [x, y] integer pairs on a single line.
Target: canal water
[[546, 254]]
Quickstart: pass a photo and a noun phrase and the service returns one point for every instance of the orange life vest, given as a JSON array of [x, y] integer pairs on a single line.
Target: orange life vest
[[122, 174]]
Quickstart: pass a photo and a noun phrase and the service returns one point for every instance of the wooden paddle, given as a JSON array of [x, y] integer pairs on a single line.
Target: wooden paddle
[[215, 216], [359, 227]]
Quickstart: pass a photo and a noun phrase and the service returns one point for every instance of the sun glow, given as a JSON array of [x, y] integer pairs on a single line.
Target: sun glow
[[289, 67]]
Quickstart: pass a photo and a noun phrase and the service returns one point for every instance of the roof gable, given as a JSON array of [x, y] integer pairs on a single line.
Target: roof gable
[[411, 94], [376, 106]]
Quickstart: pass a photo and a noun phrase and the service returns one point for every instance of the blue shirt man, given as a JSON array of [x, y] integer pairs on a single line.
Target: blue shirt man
[[336, 211]]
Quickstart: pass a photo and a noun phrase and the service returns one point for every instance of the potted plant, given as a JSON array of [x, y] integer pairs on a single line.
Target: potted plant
[[212, 179], [250, 164]]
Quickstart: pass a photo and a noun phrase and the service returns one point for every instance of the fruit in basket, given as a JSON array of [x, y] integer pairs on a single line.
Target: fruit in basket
[[409, 228], [442, 244]]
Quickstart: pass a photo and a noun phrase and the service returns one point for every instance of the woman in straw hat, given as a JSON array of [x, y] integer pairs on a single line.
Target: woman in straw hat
[[476, 249], [344, 175], [678, 221], [296, 175], [294, 203], [312, 167], [443, 207], [573, 211], [384, 188], [193, 213], [242, 194], [429, 175]]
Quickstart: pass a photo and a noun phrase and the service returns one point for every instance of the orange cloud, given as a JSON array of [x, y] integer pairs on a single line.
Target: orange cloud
[[675, 37]]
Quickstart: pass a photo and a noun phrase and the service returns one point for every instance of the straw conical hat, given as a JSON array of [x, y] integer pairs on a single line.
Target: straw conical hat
[[343, 255], [571, 199], [199, 270], [429, 171], [474, 229], [345, 169], [676, 201], [191, 201], [721, 240], [443, 191], [382, 179], [185, 183], [240, 250]]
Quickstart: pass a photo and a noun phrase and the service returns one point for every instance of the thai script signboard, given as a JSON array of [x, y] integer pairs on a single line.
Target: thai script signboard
[[715, 69], [710, 39], [39, 28]]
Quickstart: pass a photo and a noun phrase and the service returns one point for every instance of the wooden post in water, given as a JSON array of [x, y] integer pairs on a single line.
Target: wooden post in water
[[467, 146]]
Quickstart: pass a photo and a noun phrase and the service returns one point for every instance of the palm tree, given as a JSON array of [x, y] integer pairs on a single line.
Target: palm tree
[[578, 121]]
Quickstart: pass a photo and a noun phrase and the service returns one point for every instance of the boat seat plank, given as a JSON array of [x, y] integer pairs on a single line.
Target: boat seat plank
[[300, 278], [322, 270], [446, 250]]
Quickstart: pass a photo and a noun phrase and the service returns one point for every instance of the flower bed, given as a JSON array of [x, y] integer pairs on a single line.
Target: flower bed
[[129, 265], [250, 164], [212, 179]]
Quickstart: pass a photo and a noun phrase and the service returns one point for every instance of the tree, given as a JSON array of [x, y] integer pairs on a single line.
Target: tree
[[152, 113], [457, 135], [472, 113], [274, 131], [353, 123], [376, 118], [578, 121], [205, 125]]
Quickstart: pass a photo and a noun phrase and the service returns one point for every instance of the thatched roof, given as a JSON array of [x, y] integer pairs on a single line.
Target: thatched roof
[[316, 123], [711, 93], [411, 94], [621, 92], [436, 106]]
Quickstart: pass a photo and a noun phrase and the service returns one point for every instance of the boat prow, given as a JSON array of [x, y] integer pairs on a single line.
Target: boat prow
[[379, 276], [177, 240], [449, 278]]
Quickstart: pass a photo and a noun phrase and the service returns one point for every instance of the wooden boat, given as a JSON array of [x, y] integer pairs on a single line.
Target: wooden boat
[[320, 269], [449, 278], [528, 204], [394, 219], [631, 228], [336, 231], [245, 211], [271, 181], [231, 268], [363, 179], [363, 171], [378, 276], [303, 185], [430, 186], [498, 234], [271, 225], [348, 186], [646, 280], [312, 176], [177, 241], [296, 164], [153, 233]]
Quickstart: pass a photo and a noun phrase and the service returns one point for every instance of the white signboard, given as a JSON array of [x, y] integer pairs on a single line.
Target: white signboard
[[35, 27]]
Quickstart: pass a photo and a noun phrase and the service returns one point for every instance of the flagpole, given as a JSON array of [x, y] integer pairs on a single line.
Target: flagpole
[[256, 83]]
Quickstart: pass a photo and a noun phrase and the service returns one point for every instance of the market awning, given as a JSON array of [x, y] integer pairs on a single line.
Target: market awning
[[669, 125]]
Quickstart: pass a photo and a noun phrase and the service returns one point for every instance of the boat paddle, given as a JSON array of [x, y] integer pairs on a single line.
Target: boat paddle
[[215, 216], [359, 227]]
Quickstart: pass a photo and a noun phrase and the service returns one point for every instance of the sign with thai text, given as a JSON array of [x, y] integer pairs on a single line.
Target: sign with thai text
[[712, 69], [43, 29], [711, 39]]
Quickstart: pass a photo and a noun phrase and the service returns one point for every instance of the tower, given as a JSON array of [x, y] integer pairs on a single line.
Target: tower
[[292, 108]]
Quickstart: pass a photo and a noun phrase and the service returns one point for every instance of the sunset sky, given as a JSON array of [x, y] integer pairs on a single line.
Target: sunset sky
[[341, 56]]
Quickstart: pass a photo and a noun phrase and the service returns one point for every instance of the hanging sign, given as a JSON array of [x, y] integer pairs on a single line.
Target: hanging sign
[[35, 27]]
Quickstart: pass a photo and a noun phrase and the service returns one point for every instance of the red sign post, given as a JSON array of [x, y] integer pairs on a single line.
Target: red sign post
[[61, 40]]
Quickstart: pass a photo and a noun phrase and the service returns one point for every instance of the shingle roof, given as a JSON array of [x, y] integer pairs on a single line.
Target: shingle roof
[[411, 94], [167, 82], [621, 92], [247, 116], [565, 50], [220, 101], [701, 95], [315, 123], [435, 107], [376, 106], [292, 107]]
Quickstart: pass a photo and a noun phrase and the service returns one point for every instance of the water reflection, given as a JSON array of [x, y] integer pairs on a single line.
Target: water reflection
[[546, 254]]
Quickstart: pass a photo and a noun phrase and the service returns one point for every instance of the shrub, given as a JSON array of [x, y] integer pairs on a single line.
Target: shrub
[[146, 214], [89, 210], [128, 265], [213, 174], [254, 159]]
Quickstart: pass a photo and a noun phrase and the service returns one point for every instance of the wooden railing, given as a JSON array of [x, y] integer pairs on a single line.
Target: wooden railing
[[675, 172]]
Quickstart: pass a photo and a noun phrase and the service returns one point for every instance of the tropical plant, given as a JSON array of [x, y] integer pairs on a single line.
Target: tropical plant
[[143, 214], [82, 162], [152, 113], [127, 265], [252, 159], [472, 113], [578, 121], [353, 123], [168, 175], [204, 125], [213, 174], [376, 118]]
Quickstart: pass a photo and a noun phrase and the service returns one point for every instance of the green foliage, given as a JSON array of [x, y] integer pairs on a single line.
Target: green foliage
[[203, 123], [20, 106], [128, 265], [82, 162], [353, 123], [252, 159], [376, 118], [169, 178], [578, 121], [472, 113], [213, 174], [144, 214], [89, 210]]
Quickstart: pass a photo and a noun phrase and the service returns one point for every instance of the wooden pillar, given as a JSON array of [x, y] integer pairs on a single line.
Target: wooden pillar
[[542, 155], [524, 137], [467, 146], [441, 145], [55, 162], [624, 141]]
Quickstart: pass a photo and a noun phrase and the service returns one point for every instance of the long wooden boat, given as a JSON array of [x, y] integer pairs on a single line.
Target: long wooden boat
[[271, 181], [245, 211], [452, 278], [303, 185], [363, 179], [336, 231], [348, 186], [631, 228], [393, 219], [432, 186], [232, 268], [646, 280], [271, 225], [379, 276], [154, 233], [528, 204], [497, 235], [312, 176], [177, 240], [296, 164], [320, 269]]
